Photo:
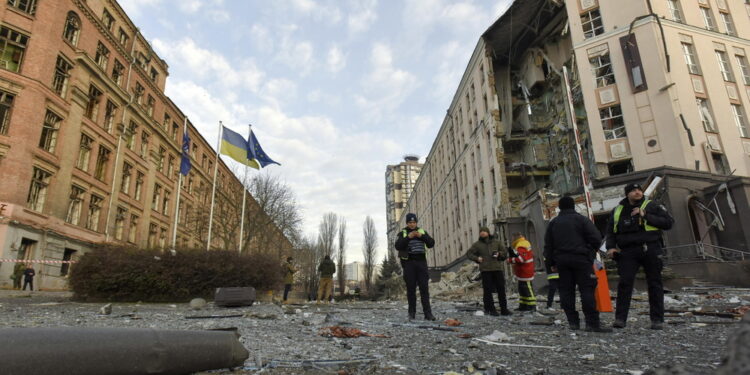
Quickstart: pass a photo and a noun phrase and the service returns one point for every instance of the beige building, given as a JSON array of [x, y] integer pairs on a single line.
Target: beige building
[[399, 184], [664, 94]]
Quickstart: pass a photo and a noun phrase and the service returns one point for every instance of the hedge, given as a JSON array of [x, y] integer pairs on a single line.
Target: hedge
[[127, 274]]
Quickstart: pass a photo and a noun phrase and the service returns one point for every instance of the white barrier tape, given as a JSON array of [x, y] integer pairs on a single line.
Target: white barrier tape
[[36, 261]]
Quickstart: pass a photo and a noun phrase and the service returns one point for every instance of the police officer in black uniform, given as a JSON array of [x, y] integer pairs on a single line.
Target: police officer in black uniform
[[412, 244], [634, 240]]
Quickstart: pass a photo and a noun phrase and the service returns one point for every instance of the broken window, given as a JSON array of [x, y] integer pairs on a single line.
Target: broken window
[[67, 256], [170, 166], [117, 72], [62, 73], [144, 144], [72, 28], [675, 14], [740, 120], [110, 110], [742, 63], [726, 18], [100, 171], [26, 6], [108, 20], [690, 58], [708, 19], [163, 238], [123, 37], [6, 103], [706, 117], [601, 65], [620, 167], [84, 153], [175, 128], [38, 190], [156, 198], [612, 122], [167, 120], [51, 126], [162, 156], [138, 92], [95, 209], [153, 74], [152, 231], [724, 66], [75, 204], [138, 186], [133, 229], [120, 223], [92, 107], [165, 203], [127, 171], [720, 163], [12, 49], [591, 21], [150, 104], [130, 135], [102, 55]]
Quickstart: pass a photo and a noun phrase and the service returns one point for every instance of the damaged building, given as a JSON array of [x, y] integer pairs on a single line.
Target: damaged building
[[584, 96]]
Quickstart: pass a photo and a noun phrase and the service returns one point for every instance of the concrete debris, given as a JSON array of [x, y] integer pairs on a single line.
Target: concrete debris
[[452, 323], [736, 359], [344, 332], [214, 316], [197, 303], [456, 285], [106, 309], [497, 336]]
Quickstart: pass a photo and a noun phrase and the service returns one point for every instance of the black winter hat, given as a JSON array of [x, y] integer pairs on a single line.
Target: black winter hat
[[411, 217], [631, 187], [566, 203]]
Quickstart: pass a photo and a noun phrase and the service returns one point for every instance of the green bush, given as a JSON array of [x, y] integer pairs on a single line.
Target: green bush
[[132, 274]]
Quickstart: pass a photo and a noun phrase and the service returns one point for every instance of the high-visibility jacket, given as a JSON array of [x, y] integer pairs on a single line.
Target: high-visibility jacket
[[523, 262]]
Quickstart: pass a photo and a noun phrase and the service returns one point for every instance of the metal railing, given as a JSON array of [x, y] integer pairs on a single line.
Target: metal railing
[[704, 251]]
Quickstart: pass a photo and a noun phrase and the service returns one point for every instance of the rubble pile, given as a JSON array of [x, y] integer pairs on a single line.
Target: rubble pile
[[459, 285]]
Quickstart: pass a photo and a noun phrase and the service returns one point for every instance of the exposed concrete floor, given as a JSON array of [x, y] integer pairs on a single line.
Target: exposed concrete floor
[[279, 336]]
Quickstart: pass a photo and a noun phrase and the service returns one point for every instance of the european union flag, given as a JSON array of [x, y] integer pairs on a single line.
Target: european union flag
[[254, 151], [185, 158]]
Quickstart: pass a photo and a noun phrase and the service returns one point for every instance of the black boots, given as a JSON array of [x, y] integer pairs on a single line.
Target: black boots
[[598, 328], [428, 316]]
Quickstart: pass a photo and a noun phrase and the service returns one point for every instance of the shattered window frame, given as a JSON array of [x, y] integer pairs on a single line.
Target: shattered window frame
[[94, 212], [84, 152], [601, 66], [706, 115], [6, 105], [613, 123], [61, 76], [133, 229], [691, 60], [75, 205], [38, 190], [591, 22]]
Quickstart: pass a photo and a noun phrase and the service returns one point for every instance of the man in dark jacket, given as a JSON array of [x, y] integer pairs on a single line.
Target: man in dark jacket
[[28, 277], [570, 244], [412, 244], [326, 268], [634, 240], [490, 255]]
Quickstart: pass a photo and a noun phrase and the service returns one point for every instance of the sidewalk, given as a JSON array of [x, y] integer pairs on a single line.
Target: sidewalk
[[11, 293]]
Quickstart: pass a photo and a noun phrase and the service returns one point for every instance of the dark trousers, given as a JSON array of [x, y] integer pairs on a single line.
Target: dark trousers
[[30, 283], [287, 289], [628, 262], [415, 274], [551, 290], [494, 281], [579, 272], [526, 297]]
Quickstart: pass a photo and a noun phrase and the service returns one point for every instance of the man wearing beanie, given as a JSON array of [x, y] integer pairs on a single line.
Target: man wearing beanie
[[490, 256], [570, 245], [634, 240], [412, 244]]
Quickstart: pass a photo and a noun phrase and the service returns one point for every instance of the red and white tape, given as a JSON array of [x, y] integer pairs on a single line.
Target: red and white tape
[[36, 261]]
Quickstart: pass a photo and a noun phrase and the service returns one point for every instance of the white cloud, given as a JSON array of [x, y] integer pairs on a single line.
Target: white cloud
[[261, 37], [190, 6], [296, 55], [386, 86], [319, 96], [135, 7], [320, 12], [336, 59], [363, 15], [278, 91]]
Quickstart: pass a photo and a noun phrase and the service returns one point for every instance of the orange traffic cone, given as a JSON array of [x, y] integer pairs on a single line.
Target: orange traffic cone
[[601, 295]]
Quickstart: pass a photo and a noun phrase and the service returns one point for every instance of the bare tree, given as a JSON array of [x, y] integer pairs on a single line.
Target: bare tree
[[341, 257], [368, 249], [327, 233], [278, 204], [307, 258]]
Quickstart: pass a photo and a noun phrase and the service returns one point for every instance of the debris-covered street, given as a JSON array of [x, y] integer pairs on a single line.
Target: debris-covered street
[[297, 338]]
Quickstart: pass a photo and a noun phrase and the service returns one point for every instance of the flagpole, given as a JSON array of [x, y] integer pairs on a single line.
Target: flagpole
[[213, 190], [244, 194], [179, 192]]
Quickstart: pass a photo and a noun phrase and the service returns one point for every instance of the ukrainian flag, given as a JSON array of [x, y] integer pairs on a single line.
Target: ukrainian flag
[[236, 147]]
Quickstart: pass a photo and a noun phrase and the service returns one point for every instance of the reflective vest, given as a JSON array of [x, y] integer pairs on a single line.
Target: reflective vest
[[618, 211], [421, 231]]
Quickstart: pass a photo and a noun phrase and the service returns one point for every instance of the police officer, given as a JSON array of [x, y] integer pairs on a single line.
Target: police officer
[[570, 244], [412, 244], [490, 256], [634, 240]]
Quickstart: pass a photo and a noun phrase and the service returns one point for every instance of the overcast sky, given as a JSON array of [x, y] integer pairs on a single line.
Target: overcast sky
[[335, 90]]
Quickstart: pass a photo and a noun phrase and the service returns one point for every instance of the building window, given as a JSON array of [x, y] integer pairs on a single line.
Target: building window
[[130, 135], [144, 144], [165, 203], [740, 120], [92, 107], [726, 68], [174, 131], [708, 19], [117, 72], [162, 156], [707, 119], [170, 166], [62, 73], [67, 256], [156, 199], [167, 120], [153, 74], [38, 190], [138, 185], [138, 93], [108, 20], [72, 28], [110, 111], [612, 122], [75, 205], [140, 60], [163, 238], [120, 223], [742, 63], [6, 103], [95, 210], [102, 55], [150, 103], [602, 68], [100, 171], [152, 232], [26, 6], [123, 37], [592, 23], [675, 14], [690, 58], [127, 171], [12, 48], [84, 153], [51, 126], [726, 18], [133, 229]]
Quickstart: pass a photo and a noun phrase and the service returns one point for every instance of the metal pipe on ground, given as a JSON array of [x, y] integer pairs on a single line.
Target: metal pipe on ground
[[117, 351]]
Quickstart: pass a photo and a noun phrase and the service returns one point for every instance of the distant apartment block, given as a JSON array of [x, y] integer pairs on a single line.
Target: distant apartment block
[[399, 184]]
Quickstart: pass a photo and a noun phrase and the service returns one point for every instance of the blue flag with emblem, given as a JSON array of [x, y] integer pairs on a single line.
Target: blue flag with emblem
[[185, 158], [254, 151]]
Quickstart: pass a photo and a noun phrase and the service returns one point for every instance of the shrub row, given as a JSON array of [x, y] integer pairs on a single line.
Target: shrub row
[[129, 274]]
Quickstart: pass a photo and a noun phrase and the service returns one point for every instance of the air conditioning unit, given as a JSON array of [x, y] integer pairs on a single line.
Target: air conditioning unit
[[713, 143]]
